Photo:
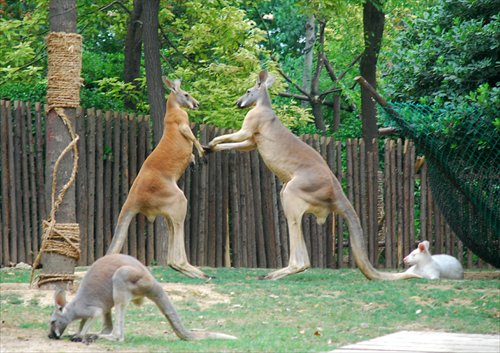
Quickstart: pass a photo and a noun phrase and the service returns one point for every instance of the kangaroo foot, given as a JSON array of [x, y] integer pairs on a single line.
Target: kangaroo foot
[[110, 337], [76, 338], [189, 270], [85, 339], [289, 270]]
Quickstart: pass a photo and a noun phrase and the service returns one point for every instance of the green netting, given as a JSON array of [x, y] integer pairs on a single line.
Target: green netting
[[463, 154]]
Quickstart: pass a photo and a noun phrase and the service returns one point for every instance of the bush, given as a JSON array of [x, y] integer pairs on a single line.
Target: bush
[[448, 54]]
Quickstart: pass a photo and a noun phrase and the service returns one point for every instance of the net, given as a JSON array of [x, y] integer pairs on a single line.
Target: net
[[463, 153]]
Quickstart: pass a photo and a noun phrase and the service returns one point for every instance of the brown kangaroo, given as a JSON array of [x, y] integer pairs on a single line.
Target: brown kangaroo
[[155, 191], [309, 186]]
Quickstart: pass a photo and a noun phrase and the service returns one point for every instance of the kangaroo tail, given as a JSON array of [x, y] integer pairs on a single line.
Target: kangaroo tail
[[359, 249], [161, 299], [121, 230]]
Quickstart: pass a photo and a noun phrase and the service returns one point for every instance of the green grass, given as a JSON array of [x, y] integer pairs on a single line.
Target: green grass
[[317, 310]]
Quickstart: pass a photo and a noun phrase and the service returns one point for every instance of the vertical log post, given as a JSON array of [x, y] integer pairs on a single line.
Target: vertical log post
[[61, 239]]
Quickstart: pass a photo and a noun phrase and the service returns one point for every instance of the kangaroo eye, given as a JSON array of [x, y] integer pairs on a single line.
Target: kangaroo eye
[[248, 92], [186, 95]]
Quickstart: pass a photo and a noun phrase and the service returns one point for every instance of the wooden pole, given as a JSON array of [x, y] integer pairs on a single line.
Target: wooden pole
[[62, 18]]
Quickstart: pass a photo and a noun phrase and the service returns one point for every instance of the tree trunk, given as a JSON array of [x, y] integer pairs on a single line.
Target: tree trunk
[[62, 18], [315, 99], [133, 49], [373, 29], [308, 56], [156, 91]]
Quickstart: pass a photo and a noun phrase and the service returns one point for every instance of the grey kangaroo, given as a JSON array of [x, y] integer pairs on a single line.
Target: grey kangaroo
[[114, 281]]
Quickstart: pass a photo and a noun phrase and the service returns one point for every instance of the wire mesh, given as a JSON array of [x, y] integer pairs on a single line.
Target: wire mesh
[[463, 153]]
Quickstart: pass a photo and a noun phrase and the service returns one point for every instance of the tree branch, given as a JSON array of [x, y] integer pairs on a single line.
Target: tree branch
[[330, 90], [289, 80], [169, 42], [268, 34], [387, 131], [356, 59], [292, 95], [116, 2], [319, 65], [329, 68]]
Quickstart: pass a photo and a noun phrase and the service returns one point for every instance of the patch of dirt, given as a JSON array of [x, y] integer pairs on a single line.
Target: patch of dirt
[[204, 295], [482, 275], [14, 339], [422, 301]]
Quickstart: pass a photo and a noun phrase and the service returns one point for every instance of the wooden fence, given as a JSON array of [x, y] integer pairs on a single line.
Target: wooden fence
[[234, 216]]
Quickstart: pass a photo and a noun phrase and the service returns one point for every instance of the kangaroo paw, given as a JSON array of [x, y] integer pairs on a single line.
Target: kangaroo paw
[[76, 338], [90, 339]]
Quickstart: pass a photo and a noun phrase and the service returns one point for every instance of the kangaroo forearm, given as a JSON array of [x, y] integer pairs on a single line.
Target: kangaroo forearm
[[238, 136], [244, 146]]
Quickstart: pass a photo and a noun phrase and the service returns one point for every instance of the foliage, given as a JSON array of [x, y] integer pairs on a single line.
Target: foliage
[[219, 52], [448, 59], [215, 47], [449, 54], [24, 91], [22, 50]]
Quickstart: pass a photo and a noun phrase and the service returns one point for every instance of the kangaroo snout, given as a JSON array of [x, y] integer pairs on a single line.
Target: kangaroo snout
[[54, 336]]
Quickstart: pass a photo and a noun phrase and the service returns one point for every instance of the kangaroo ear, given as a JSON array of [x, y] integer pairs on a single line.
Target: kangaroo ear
[[177, 85], [270, 80], [422, 246], [169, 84], [262, 77], [60, 299]]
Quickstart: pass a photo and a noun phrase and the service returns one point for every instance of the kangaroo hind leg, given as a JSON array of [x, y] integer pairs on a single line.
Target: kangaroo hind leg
[[294, 207], [127, 282], [175, 213]]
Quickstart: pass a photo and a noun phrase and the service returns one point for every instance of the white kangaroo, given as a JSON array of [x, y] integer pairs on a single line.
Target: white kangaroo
[[433, 266], [114, 281], [155, 191], [309, 185]]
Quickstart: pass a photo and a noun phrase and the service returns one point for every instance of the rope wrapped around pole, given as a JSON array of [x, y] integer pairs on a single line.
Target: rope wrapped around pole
[[63, 91]]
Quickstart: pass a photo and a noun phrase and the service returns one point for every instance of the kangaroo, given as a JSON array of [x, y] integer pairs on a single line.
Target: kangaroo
[[114, 281], [309, 186], [433, 266], [155, 190]]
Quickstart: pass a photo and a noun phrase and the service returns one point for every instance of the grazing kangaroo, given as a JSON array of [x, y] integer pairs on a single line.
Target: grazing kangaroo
[[115, 280], [309, 185], [433, 266], [155, 191]]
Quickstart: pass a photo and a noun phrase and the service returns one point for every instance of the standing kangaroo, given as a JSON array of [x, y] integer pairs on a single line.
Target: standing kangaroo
[[155, 191], [433, 266], [309, 185], [115, 280]]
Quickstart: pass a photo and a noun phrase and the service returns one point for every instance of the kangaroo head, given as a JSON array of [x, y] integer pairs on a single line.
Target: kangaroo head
[[182, 97], [420, 254], [264, 81], [58, 321]]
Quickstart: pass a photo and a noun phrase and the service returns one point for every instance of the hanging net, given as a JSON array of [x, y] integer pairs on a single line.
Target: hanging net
[[463, 154]]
